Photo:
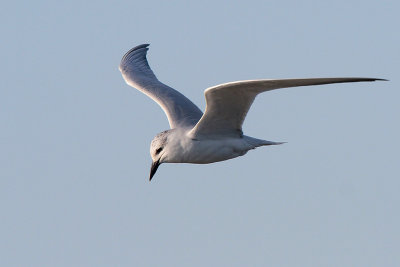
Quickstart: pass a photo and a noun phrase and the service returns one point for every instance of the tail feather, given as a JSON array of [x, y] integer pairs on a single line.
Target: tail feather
[[270, 143], [254, 142]]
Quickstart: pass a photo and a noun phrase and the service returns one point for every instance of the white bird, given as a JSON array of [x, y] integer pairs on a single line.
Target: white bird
[[217, 134]]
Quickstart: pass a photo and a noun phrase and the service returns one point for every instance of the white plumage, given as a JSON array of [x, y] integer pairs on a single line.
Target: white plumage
[[217, 134]]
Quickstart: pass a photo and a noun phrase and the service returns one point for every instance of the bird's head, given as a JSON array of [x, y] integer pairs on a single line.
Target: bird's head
[[158, 150]]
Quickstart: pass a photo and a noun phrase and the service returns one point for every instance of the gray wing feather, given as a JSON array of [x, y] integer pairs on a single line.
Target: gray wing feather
[[228, 104], [180, 111]]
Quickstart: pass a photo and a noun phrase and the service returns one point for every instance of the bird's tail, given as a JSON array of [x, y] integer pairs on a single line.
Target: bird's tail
[[254, 142]]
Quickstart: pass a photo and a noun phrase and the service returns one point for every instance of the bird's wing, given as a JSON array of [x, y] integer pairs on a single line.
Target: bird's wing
[[228, 104], [135, 69]]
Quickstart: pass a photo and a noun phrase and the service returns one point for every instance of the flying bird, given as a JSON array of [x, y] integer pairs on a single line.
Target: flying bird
[[217, 134]]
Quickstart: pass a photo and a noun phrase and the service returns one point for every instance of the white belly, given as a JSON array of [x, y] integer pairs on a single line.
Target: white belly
[[208, 151]]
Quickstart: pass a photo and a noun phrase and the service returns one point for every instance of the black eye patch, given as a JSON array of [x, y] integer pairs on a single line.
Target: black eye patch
[[159, 150]]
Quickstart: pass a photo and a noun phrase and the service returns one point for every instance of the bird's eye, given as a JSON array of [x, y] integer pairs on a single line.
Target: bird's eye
[[159, 150]]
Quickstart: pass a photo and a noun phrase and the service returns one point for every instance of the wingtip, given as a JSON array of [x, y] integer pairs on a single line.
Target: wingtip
[[372, 79], [134, 49], [357, 79], [140, 46]]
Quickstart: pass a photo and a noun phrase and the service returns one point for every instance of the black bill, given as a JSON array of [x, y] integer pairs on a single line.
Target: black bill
[[154, 167]]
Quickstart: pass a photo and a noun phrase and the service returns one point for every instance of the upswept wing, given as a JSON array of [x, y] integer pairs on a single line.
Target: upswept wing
[[228, 104], [181, 112]]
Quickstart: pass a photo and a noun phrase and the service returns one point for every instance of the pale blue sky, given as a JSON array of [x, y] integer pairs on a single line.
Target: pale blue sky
[[75, 138]]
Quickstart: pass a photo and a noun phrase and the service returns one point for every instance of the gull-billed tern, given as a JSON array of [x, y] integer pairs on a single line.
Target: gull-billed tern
[[217, 134]]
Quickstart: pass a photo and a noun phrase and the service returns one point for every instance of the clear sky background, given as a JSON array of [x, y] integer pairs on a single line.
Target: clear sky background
[[74, 138]]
